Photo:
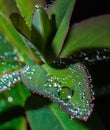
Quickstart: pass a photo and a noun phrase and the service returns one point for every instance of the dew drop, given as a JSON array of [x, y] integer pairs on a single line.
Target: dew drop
[[66, 93], [10, 99]]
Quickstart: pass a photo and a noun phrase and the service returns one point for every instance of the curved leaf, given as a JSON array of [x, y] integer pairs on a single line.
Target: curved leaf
[[59, 6], [20, 24], [18, 123], [41, 29], [91, 33], [62, 21], [15, 40], [69, 87], [6, 7], [26, 8], [9, 73], [44, 115]]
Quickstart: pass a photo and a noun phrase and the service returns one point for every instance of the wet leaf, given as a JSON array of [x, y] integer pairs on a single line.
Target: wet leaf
[[40, 111], [51, 82], [26, 8], [14, 38], [88, 34], [9, 73], [6, 50]]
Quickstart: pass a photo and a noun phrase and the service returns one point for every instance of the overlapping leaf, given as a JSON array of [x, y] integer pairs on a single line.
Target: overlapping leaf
[[62, 22], [40, 111], [26, 7], [9, 73], [89, 34], [69, 87]]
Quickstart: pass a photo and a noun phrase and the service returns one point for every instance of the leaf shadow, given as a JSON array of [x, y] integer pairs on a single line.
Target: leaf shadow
[[35, 101]]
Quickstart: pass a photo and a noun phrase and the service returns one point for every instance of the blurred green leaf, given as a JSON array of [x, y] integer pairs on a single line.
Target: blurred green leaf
[[6, 49], [14, 38], [9, 73], [44, 115], [15, 96], [8, 6], [26, 8], [69, 87], [88, 34], [20, 24], [18, 123]]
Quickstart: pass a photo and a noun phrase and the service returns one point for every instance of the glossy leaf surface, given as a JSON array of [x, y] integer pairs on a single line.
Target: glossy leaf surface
[[26, 8], [63, 29], [9, 73], [6, 49], [41, 29], [60, 22], [89, 34], [69, 87], [40, 111], [59, 6]]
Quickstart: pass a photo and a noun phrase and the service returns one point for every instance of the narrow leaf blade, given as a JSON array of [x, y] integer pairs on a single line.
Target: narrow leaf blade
[[19, 23], [26, 8]]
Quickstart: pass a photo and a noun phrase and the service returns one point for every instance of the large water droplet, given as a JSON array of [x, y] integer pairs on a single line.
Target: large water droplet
[[66, 93]]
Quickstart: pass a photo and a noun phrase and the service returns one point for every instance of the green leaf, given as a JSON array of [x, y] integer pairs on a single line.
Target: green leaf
[[6, 7], [69, 87], [63, 28], [26, 8], [6, 49], [44, 115], [41, 29], [9, 73], [20, 24], [62, 7], [18, 123], [88, 34], [14, 38]]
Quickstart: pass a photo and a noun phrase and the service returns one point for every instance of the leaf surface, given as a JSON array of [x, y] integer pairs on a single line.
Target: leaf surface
[[88, 34], [20, 24], [14, 38], [62, 21], [9, 73], [7, 7], [26, 8], [42, 114], [69, 87]]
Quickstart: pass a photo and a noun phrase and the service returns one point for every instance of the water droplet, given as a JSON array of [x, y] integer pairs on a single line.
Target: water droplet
[[10, 99], [66, 93]]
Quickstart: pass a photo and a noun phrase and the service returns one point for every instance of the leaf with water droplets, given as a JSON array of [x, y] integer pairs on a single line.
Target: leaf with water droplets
[[9, 73], [68, 86], [6, 50]]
